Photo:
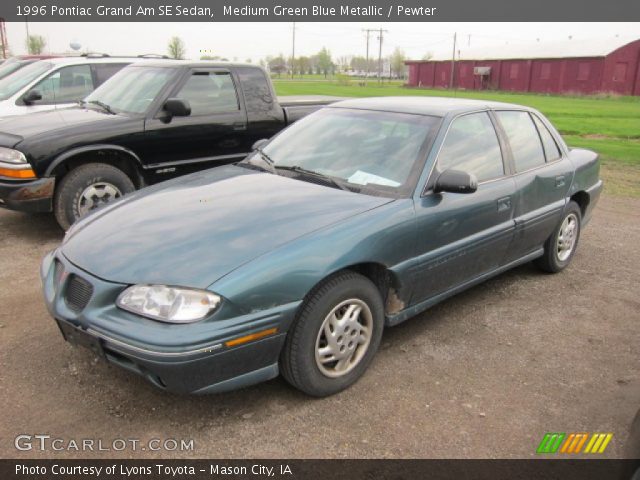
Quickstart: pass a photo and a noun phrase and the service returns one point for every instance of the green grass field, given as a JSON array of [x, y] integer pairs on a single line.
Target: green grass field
[[608, 125]]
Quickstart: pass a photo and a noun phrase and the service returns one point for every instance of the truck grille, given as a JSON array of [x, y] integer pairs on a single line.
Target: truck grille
[[78, 293]]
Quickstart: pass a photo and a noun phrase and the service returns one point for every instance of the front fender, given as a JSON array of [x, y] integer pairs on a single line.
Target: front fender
[[91, 148], [384, 235]]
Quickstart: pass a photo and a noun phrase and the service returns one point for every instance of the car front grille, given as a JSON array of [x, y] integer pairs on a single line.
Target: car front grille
[[78, 293]]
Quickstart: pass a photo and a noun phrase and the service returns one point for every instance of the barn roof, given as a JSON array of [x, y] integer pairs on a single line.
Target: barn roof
[[597, 47]]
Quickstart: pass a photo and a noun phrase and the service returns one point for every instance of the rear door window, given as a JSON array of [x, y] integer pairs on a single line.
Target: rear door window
[[210, 93], [551, 150], [66, 85], [523, 138], [472, 146]]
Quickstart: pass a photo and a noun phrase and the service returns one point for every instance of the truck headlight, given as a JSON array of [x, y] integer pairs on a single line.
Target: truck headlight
[[168, 304], [10, 155]]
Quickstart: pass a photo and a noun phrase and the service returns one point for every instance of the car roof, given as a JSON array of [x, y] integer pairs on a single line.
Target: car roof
[[79, 60], [434, 106]]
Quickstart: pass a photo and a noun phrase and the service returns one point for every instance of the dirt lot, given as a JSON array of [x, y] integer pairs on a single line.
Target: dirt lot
[[484, 374]]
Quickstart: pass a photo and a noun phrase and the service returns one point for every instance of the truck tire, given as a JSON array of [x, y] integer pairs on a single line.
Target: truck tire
[[335, 335], [561, 245], [86, 188]]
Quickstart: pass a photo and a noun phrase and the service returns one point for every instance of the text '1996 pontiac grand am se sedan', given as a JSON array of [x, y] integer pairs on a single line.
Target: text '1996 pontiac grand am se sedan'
[[292, 261]]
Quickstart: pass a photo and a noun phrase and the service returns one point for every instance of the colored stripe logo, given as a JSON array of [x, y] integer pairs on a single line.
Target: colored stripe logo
[[574, 443]]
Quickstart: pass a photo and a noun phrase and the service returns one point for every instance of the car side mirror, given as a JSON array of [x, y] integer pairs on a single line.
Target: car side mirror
[[456, 181], [260, 144], [177, 107], [31, 96]]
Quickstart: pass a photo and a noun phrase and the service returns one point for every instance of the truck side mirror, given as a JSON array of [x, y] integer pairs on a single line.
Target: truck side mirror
[[456, 181], [31, 96], [177, 107]]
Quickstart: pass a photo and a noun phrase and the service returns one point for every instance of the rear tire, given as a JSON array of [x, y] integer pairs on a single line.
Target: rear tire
[[561, 245], [335, 336], [86, 188]]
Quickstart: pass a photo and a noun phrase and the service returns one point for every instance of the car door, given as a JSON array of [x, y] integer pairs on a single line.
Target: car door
[[214, 133], [62, 88], [543, 176], [462, 236]]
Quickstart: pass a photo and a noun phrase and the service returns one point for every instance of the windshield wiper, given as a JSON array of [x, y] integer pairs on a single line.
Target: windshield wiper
[[102, 105], [267, 164], [312, 173]]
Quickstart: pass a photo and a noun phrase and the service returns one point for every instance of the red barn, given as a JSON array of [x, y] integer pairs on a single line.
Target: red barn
[[571, 66]]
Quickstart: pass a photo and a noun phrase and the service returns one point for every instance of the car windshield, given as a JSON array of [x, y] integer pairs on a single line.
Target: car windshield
[[13, 83], [131, 90], [357, 148], [11, 65]]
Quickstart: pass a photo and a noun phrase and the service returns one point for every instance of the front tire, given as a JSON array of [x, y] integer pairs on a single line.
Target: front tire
[[86, 188], [335, 336], [561, 245]]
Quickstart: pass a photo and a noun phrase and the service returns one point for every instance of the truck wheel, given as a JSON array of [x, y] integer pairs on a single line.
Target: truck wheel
[[561, 245], [86, 188], [335, 335]]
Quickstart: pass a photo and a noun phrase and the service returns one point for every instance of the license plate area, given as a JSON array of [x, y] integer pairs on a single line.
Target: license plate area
[[76, 336]]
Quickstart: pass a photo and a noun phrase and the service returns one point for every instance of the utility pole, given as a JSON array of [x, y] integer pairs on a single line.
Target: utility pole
[[293, 50], [380, 38], [453, 61], [27, 27], [367, 31]]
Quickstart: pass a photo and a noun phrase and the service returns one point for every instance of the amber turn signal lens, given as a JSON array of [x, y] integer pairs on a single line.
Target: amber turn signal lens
[[21, 173], [251, 337]]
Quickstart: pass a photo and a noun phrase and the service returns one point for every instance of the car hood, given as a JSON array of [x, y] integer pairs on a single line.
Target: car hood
[[193, 230], [32, 124]]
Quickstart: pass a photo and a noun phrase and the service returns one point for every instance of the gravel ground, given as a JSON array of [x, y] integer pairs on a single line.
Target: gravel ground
[[484, 374]]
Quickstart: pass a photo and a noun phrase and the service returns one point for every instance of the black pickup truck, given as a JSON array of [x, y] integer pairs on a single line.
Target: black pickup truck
[[150, 122]]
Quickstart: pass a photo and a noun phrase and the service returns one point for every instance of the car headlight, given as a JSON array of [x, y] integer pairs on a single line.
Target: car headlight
[[10, 155], [168, 304]]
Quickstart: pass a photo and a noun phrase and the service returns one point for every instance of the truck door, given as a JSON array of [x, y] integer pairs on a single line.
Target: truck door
[[213, 134]]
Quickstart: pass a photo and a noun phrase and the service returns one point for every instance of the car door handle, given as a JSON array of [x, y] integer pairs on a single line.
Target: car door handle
[[560, 181], [239, 126], [504, 203]]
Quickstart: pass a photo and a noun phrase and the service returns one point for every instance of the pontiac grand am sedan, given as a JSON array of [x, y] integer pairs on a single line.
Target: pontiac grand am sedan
[[293, 260]]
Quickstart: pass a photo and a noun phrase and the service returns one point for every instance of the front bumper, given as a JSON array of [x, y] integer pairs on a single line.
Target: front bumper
[[28, 196], [192, 358]]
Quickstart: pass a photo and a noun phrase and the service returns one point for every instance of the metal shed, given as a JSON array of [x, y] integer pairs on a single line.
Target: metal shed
[[571, 66]]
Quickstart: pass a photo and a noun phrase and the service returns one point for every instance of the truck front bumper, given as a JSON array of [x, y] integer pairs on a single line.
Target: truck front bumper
[[27, 196]]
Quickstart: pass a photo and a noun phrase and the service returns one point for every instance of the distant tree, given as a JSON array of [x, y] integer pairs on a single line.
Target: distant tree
[[325, 64], [176, 48], [427, 56], [396, 62], [36, 44], [277, 65], [247, 60], [303, 65]]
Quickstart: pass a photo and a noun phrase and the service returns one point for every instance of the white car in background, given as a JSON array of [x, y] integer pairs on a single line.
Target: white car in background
[[56, 82]]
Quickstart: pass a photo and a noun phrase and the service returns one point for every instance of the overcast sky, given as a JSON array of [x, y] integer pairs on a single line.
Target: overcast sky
[[242, 41]]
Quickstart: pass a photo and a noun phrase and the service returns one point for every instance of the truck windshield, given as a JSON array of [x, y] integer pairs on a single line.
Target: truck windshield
[[360, 148], [16, 81], [132, 89]]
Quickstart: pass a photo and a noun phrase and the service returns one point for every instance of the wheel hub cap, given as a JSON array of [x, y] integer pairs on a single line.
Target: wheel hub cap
[[567, 237], [344, 338], [96, 195]]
